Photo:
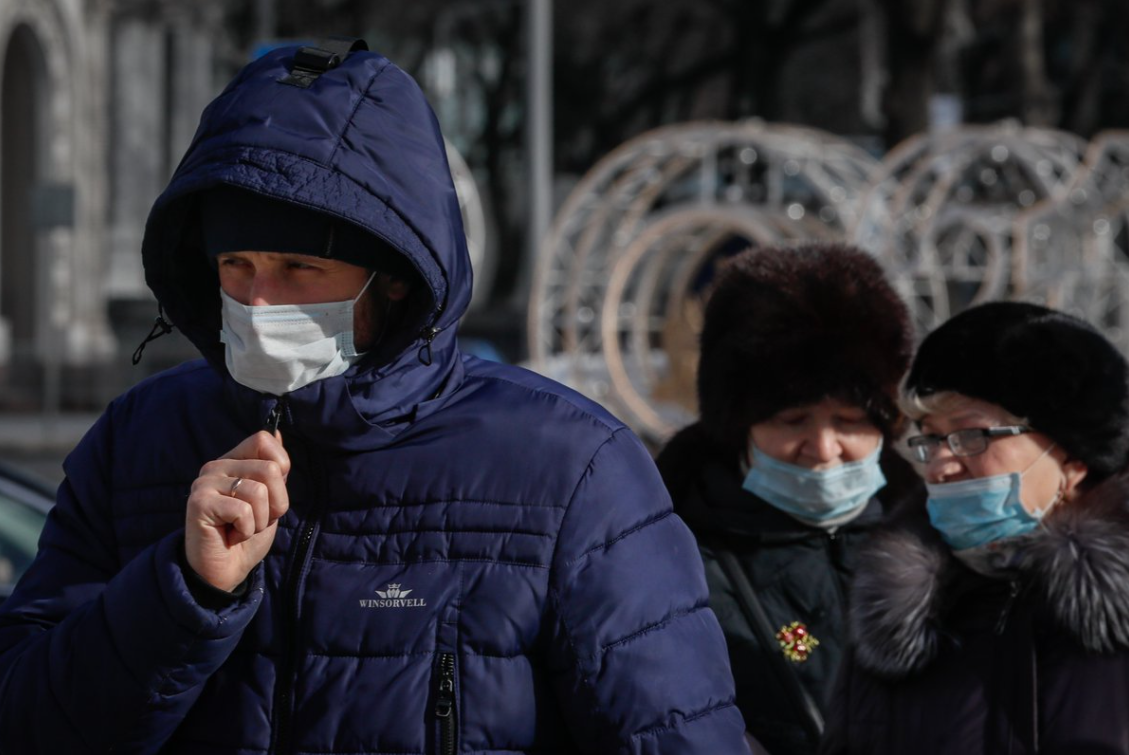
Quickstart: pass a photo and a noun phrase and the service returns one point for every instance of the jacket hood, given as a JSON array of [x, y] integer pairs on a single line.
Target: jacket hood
[[361, 144], [1076, 566]]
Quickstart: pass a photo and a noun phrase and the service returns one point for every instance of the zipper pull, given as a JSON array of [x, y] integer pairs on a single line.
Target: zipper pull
[[424, 354], [428, 334], [445, 704], [274, 417]]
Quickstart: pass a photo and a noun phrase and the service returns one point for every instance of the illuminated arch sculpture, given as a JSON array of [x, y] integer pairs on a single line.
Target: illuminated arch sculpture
[[1072, 252], [474, 222], [617, 295], [940, 213]]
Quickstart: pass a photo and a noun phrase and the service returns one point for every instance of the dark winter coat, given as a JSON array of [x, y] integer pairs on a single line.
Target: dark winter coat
[[474, 556], [951, 662], [800, 573]]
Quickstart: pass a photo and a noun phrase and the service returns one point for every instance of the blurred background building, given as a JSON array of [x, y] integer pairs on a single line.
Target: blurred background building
[[609, 158]]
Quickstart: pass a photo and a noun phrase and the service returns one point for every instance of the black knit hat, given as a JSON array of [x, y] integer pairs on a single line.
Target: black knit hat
[[788, 327], [1057, 372], [237, 220]]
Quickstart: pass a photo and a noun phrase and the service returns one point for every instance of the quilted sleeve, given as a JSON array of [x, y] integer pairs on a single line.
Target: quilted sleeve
[[99, 656], [640, 661]]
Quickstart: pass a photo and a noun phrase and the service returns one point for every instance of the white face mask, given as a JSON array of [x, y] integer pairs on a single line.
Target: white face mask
[[280, 348]]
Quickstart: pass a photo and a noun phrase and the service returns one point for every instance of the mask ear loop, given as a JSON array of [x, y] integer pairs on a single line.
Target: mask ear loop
[[1049, 448], [383, 322], [1042, 511], [365, 287], [1059, 495]]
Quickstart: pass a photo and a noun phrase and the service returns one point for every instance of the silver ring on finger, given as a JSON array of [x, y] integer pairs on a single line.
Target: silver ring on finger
[[235, 486]]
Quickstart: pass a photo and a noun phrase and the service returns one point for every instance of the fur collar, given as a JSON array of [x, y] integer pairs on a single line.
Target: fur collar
[[1077, 567]]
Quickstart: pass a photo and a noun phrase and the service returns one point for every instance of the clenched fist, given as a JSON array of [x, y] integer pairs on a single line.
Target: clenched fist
[[234, 508]]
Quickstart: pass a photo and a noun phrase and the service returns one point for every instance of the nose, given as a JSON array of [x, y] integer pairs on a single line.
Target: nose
[[944, 466], [263, 289], [824, 445]]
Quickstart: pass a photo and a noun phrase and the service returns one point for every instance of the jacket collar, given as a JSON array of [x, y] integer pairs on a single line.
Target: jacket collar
[[362, 409], [1076, 566]]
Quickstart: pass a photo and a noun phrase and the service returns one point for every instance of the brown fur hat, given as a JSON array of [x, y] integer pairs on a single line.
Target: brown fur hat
[[787, 327]]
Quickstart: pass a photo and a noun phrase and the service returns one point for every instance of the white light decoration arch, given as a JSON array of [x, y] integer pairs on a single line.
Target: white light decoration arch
[[474, 222], [623, 274], [1072, 252], [940, 213]]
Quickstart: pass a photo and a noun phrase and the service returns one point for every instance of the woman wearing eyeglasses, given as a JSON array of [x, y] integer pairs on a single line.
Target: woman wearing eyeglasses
[[1004, 626], [791, 466]]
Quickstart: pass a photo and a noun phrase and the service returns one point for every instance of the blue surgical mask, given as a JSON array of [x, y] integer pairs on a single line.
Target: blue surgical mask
[[1001, 559], [817, 496], [972, 513]]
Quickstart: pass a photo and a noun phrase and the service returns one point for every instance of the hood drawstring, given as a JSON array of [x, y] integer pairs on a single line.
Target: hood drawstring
[[161, 327]]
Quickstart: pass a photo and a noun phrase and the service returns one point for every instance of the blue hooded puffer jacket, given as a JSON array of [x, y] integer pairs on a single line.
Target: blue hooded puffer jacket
[[475, 558]]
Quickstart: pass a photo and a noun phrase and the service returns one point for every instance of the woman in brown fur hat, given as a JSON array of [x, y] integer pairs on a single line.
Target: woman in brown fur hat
[[790, 466], [1004, 626]]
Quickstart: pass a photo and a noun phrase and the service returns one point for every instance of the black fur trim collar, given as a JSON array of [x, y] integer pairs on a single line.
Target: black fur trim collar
[[1078, 566]]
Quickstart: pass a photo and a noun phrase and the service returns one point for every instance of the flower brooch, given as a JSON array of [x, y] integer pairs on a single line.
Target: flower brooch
[[796, 642]]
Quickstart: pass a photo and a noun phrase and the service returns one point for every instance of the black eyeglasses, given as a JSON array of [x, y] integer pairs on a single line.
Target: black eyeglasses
[[962, 442]]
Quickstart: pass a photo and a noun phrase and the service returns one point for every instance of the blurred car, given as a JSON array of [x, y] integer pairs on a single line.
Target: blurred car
[[24, 503]]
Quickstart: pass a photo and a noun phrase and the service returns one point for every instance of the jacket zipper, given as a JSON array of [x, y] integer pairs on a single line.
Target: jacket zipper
[[284, 692], [834, 545], [1009, 603], [274, 416], [284, 689], [428, 335], [445, 705]]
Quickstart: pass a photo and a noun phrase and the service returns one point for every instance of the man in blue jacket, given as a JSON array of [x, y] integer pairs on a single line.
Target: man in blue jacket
[[335, 533]]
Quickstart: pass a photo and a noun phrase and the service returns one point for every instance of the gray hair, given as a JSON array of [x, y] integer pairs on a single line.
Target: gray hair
[[916, 407]]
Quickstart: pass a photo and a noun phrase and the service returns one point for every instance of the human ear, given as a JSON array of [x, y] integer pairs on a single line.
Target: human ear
[[1074, 472], [395, 289]]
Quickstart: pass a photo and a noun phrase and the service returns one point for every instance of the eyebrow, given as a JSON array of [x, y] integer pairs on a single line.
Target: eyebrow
[[970, 415]]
